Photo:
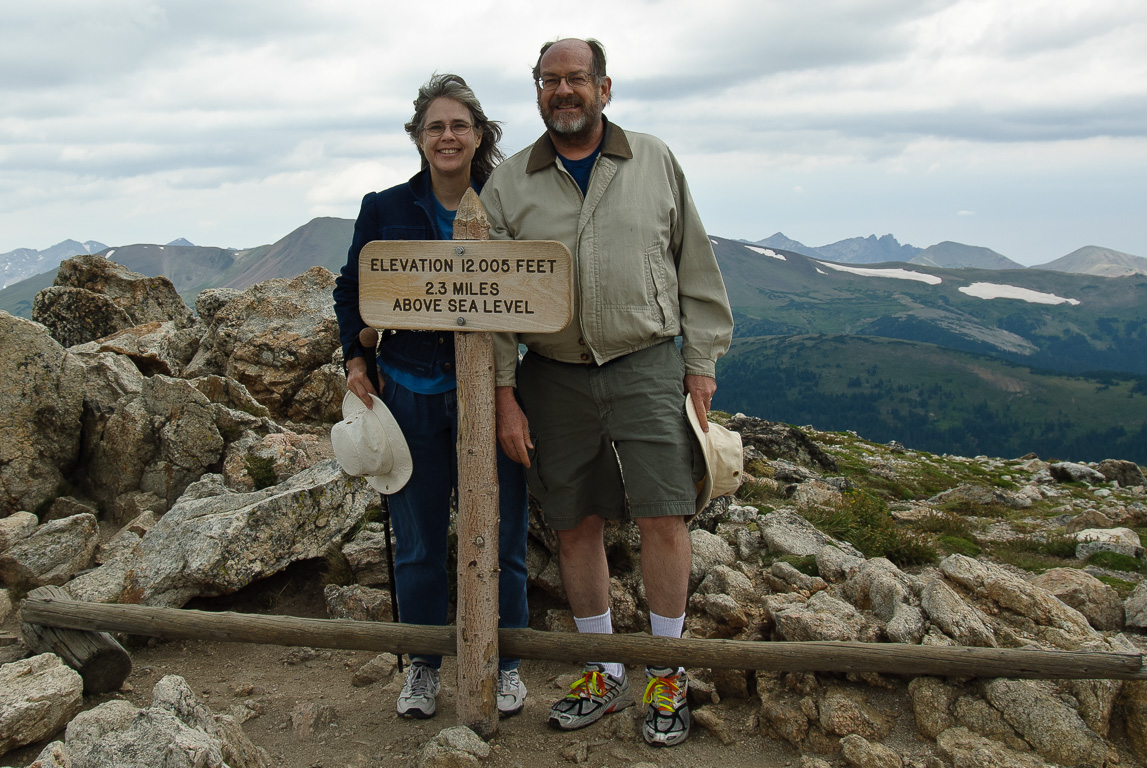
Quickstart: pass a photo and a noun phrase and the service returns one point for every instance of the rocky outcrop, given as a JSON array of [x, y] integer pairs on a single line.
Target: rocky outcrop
[[93, 297], [175, 731], [52, 554], [40, 404], [215, 541], [275, 338], [38, 696]]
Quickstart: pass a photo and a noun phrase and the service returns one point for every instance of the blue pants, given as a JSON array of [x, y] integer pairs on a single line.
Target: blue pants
[[420, 514]]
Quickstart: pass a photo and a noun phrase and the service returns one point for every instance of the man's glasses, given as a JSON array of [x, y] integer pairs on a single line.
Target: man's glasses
[[458, 128], [574, 80]]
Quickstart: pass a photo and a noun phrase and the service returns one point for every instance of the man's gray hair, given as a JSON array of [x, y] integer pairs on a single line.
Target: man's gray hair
[[448, 86]]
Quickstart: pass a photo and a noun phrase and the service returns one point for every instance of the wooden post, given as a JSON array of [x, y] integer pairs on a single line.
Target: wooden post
[[820, 656], [103, 664], [477, 507]]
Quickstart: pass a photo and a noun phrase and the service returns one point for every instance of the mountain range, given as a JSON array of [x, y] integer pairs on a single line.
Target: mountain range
[[1089, 260], [947, 348]]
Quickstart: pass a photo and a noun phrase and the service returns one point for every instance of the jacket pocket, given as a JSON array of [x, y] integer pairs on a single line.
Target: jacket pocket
[[664, 299]]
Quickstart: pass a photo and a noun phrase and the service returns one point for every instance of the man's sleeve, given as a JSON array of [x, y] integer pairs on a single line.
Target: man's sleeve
[[505, 344], [706, 320]]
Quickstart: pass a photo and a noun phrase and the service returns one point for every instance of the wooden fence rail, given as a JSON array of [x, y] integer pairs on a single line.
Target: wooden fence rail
[[886, 658]]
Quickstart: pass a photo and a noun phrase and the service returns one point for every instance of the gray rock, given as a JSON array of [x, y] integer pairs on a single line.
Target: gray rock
[[1122, 541], [965, 749], [357, 602], [781, 441], [366, 554], [723, 580], [454, 747], [1098, 602], [158, 441], [209, 302], [932, 700], [66, 506], [787, 533], [1071, 472], [176, 731], [1135, 607], [76, 316], [709, 551], [993, 584], [907, 625], [1055, 730], [978, 716], [959, 620], [1126, 473], [823, 617], [41, 398], [16, 527], [38, 696], [215, 541], [53, 554], [5, 606], [835, 565], [788, 578], [271, 339], [861, 753], [844, 711], [156, 347]]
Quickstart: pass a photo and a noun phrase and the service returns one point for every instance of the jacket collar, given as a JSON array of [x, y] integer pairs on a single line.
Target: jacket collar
[[613, 142], [421, 189]]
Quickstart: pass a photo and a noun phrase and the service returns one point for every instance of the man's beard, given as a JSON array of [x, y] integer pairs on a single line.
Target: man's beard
[[571, 126]]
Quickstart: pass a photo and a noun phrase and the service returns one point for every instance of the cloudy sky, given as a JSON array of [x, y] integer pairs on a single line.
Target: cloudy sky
[[1020, 126]]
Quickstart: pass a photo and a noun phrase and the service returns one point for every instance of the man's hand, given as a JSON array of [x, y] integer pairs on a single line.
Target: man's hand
[[513, 427], [701, 389], [358, 382]]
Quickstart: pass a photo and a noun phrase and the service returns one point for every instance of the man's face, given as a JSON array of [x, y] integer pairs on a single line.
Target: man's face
[[571, 112]]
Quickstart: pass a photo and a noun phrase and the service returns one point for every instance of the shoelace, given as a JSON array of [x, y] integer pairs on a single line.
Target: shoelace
[[592, 683], [419, 681], [661, 692]]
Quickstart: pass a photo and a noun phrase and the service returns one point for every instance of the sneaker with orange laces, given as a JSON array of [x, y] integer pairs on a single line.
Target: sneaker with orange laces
[[591, 696], [667, 717]]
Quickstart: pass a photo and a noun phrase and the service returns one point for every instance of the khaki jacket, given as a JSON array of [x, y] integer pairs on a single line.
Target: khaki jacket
[[644, 269]]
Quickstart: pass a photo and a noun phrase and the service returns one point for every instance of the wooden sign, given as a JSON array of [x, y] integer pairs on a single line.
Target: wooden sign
[[471, 285]]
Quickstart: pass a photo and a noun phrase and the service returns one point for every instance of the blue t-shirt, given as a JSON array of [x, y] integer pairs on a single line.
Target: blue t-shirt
[[440, 381], [581, 169]]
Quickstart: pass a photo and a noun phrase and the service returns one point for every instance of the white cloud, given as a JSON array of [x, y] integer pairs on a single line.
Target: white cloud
[[824, 121]]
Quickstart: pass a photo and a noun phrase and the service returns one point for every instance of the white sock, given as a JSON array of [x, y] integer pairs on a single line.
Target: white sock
[[602, 625], [663, 626]]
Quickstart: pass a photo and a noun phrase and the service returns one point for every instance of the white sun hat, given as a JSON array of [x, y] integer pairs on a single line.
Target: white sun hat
[[369, 444], [724, 458]]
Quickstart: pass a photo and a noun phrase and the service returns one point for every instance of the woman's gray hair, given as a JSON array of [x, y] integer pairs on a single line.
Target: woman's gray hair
[[487, 155]]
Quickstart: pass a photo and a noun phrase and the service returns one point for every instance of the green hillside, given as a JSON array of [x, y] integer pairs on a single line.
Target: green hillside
[[1101, 325], [934, 399]]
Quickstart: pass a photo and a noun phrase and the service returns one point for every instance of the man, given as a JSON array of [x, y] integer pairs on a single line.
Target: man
[[603, 399]]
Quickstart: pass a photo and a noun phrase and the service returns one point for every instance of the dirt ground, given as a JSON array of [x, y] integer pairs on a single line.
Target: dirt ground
[[269, 683]]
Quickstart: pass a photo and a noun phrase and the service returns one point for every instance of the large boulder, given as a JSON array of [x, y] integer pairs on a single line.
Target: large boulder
[[155, 347], [93, 297], [274, 338], [157, 440], [1097, 601], [53, 554], [1126, 473], [40, 404], [176, 731], [1054, 729], [38, 696], [215, 541], [787, 533]]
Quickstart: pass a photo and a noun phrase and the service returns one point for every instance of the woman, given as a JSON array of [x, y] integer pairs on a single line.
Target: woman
[[459, 149]]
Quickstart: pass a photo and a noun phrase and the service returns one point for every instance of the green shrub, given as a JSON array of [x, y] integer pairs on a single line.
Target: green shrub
[[261, 470], [862, 520], [1114, 561], [959, 545]]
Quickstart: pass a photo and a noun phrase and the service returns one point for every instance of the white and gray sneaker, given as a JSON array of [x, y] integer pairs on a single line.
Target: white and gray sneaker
[[419, 692], [511, 692]]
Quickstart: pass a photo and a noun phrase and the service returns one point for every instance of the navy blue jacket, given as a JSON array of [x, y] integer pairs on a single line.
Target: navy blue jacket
[[403, 212]]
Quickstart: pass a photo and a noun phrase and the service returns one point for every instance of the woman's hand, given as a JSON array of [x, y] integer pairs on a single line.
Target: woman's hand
[[358, 382]]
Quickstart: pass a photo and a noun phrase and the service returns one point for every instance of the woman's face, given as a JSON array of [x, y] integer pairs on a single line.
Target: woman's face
[[450, 153]]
